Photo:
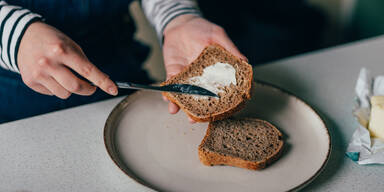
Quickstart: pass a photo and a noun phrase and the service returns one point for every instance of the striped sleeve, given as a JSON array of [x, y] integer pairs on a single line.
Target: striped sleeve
[[161, 12], [14, 21]]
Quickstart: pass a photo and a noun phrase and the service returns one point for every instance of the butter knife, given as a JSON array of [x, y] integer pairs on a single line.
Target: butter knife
[[176, 88]]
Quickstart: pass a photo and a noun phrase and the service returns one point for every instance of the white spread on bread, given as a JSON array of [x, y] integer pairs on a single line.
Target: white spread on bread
[[215, 77]]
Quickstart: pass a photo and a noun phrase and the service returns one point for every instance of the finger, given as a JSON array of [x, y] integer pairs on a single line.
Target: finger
[[82, 66], [191, 120], [165, 99], [55, 88], [41, 89], [70, 82], [224, 41], [173, 69], [173, 108]]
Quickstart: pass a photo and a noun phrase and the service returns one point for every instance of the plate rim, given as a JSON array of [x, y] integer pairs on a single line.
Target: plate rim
[[128, 100]]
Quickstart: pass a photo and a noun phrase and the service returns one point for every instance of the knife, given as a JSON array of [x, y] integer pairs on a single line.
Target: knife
[[176, 88]]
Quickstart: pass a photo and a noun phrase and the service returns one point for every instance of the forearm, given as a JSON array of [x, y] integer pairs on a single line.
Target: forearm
[[161, 12], [14, 21]]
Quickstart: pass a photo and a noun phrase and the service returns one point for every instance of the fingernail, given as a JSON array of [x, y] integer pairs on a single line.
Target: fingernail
[[244, 58], [112, 91], [191, 120]]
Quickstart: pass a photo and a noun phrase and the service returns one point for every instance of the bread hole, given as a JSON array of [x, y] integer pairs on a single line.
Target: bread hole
[[248, 138], [280, 138], [225, 146]]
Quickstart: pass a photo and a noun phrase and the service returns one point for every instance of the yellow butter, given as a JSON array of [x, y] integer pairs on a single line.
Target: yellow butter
[[377, 100], [376, 123]]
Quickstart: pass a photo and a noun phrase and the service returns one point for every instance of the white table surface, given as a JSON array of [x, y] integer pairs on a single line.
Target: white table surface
[[64, 150]]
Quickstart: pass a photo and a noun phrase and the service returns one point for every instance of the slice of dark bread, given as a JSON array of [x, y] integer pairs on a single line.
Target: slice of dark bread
[[203, 109], [248, 143]]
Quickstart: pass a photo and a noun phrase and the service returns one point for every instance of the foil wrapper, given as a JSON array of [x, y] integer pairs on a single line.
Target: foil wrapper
[[362, 148]]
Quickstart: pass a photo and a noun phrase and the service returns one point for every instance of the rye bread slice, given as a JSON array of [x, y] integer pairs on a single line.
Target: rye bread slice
[[205, 109], [247, 143]]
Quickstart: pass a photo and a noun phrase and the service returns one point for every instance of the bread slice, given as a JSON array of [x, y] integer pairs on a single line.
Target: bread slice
[[247, 143], [203, 109]]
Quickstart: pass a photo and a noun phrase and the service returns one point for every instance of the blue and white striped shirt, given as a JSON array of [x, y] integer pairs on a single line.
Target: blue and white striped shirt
[[14, 20]]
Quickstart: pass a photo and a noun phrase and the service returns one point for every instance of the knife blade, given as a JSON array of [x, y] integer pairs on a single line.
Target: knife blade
[[176, 88]]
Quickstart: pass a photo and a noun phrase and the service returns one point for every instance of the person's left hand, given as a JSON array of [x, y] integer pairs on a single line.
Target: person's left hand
[[184, 39]]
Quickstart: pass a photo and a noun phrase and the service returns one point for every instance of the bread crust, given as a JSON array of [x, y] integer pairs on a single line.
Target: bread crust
[[210, 117], [211, 158], [222, 114]]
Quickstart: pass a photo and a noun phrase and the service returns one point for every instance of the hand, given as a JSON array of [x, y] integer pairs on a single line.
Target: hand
[[45, 59], [184, 39]]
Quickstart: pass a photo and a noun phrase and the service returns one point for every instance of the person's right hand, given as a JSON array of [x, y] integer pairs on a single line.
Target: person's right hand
[[45, 57]]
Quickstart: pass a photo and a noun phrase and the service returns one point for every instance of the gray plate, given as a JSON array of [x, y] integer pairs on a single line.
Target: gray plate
[[159, 150]]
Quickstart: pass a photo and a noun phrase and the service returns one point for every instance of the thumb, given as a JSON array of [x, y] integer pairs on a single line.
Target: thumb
[[173, 69], [224, 41]]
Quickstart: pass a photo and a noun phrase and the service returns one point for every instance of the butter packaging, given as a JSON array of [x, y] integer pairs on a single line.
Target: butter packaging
[[367, 143]]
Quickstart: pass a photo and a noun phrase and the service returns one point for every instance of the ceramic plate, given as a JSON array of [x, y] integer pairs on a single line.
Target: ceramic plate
[[159, 150]]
